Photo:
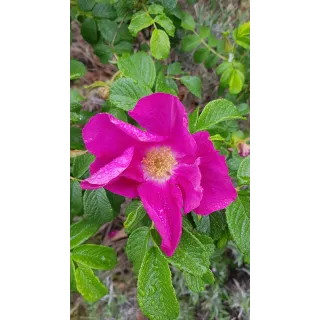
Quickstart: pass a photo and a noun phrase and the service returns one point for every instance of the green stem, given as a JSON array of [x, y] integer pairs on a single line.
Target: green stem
[[147, 12], [212, 50], [73, 178]]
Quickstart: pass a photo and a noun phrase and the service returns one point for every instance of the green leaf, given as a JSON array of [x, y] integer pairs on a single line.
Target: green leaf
[[75, 198], [174, 69], [75, 97], [135, 212], [211, 61], [123, 47], [216, 137], [167, 85], [166, 23], [223, 67], [82, 231], [115, 200], [193, 118], [193, 83], [243, 174], [103, 51], [104, 10], [155, 9], [140, 20], [81, 164], [76, 141], [212, 41], [195, 283], [204, 32], [97, 206], [242, 35], [168, 4], [119, 114], [125, 93], [159, 44], [140, 67], [107, 29], [187, 21], [236, 81], [190, 256], [200, 55], [156, 295], [238, 219], [243, 109], [73, 286], [136, 247], [89, 285], [89, 30], [189, 43], [206, 241], [95, 256], [77, 69], [215, 112], [86, 5], [213, 225]]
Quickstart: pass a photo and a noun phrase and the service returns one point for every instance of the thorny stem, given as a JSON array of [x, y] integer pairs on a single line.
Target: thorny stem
[[212, 50]]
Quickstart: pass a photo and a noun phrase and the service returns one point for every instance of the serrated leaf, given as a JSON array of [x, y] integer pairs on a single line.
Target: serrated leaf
[[204, 32], [89, 285], [236, 81], [123, 47], [193, 83], [107, 29], [140, 67], [187, 21], [190, 42], [75, 96], [166, 23], [243, 109], [89, 30], [190, 256], [212, 41], [223, 67], [155, 9], [159, 44], [195, 283], [174, 69], [103, 51], [125, 93], [104, 10], [115, 200], [73, 285], [97, 206], [213, 225], [211, 61], [215, 112], [168, 4], [136, 247], [135, 212], [192, 119], [167, 85], [82, 231], [242, 35], [95, 256], [86, 5], [238, 219], [140, 20], [200, 55], [76, 141], [76, 206], [206, 241], [243, 174], [119, 114], [77, 69], [156, 295], [81, 164]]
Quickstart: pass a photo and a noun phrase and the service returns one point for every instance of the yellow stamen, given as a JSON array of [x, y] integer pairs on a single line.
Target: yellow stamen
[[159, 163]]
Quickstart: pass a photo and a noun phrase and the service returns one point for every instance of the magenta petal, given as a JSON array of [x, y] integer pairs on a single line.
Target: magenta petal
[[124, 187], [160, 113], [189, 178], [109, 172], [218, 190], [107, 137], [163, 203]]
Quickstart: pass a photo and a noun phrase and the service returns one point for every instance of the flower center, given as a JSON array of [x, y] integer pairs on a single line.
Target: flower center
[[159, 163]]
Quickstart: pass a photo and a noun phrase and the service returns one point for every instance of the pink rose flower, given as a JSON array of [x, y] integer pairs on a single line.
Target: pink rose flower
[[166, 166]]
